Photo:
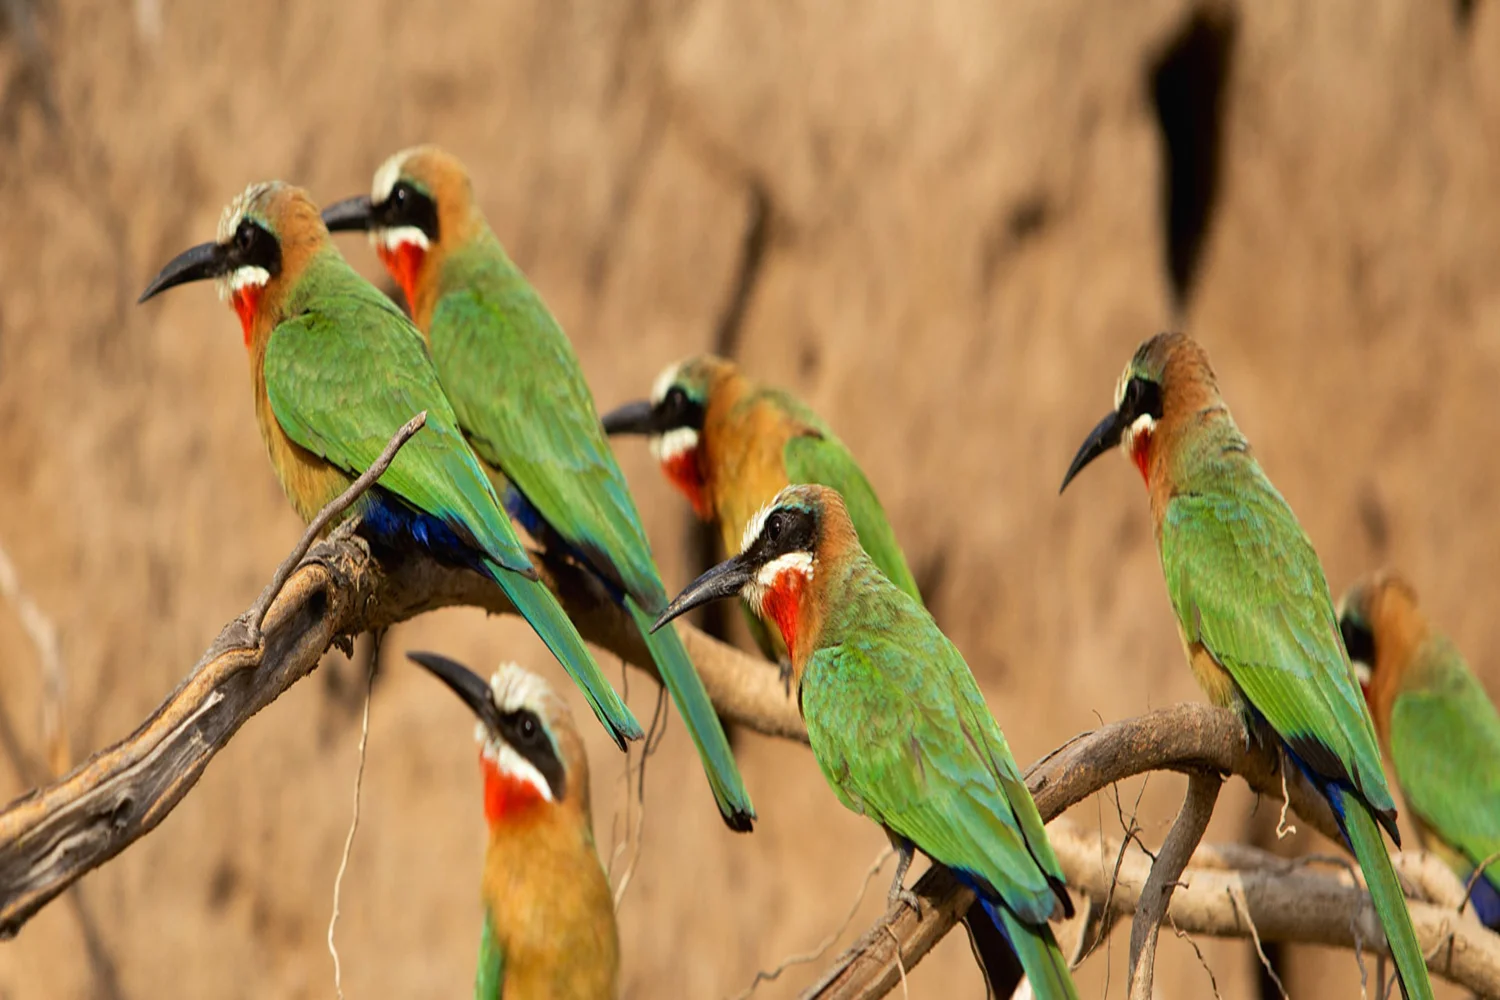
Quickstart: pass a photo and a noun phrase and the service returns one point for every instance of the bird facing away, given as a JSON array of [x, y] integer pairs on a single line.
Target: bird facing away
[[1439, 728], [336, 369], [1252, 605], [895, 718], [731, 444], [549, 917], [523, 403]]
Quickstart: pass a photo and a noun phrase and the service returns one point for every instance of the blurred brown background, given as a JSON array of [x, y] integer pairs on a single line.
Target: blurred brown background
[[945, 224]]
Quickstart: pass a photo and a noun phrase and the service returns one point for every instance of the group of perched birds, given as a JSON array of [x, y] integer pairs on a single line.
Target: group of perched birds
[[895, 718]]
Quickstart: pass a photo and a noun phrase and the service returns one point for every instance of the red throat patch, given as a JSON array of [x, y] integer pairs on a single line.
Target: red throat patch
[[247, 302], [1140, 453], [505, 796], [403, 263], [685, 472], [783, 604]]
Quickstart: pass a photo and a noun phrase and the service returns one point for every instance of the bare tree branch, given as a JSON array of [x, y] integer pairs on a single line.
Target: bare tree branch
[[1176, 850], [1286, 901]]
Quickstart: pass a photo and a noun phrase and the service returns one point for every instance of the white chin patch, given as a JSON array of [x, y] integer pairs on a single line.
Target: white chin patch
[[765, 579], [248, 276], [673, 443], [512, 764], [1361, 671], [395, 238], [1144, 423]]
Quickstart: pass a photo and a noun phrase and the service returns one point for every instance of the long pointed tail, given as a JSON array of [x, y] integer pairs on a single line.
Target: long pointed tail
[[1036, 947], [537, 605], [686, 689], [1364, 836]]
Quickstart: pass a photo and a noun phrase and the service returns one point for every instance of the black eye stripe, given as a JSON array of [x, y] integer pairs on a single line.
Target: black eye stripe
[[253, 246], [786, 530], [1142, 397], [526, 735], [1358, 641], [677, 409], [406, 206]]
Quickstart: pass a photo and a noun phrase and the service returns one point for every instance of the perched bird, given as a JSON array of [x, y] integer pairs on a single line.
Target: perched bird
[[336, 369], [549, 917], [895, 718], [730, 445], [1254, 610], [1439, 727], [524, 405]]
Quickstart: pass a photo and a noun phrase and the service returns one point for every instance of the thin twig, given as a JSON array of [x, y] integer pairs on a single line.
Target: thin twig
[[1166, 869], [1474, 878], [42, 632], [1236, 895], [763, 976], [359, 780], [341, 503], [1213, 982], [1283, 828], [905, 993], [648, 747]]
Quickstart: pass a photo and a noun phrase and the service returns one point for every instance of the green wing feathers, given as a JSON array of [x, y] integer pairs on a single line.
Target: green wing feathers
[[698, 714], [1365, 839], [521, 397], [343, 377], [819, 457], [1245, 582], [489, 979], [1445, 740]]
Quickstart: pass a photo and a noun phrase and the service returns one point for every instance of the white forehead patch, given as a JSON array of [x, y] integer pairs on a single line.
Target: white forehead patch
[[397, 236], [229, 219], [753, 526], [664, 382], [1120, 386], [387, 176], [515, 688], [674, 442]]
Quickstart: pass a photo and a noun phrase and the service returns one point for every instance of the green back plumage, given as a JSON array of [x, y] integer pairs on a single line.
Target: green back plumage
[[1246, 583], [345, 370], [903, 735], [824, 460], [520, 395], [1445, 742]]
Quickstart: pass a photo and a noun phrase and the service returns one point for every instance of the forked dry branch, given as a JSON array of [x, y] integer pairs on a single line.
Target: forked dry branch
[[55, 834]]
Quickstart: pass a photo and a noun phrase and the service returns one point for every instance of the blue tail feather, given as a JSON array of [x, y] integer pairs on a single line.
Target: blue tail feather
[[1035, 946], [389, 522]]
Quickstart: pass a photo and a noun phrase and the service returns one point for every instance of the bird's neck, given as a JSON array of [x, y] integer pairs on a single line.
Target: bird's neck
[[1196, 450]]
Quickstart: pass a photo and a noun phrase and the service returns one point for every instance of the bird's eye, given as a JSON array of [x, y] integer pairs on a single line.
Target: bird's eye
[[774, 526], [244, 235], [399, 194], [528, 729], [675, 400]]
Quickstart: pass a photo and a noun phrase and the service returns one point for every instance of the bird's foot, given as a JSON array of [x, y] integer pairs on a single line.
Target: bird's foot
[[898, 894]]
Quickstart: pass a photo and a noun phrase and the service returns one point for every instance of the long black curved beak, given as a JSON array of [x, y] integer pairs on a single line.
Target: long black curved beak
[[350, 214], [468, 685], [1101, 439], [206, 260], [725, 580], [639, 417]]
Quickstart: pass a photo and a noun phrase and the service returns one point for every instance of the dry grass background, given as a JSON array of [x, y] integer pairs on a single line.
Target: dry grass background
[[962, 237]]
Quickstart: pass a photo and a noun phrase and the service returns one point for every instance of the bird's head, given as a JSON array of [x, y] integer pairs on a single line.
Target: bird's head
[[1381, 625], [783, 548], [421, 201], [1168, 375], [530, 753], [673, 419], [265, 238]]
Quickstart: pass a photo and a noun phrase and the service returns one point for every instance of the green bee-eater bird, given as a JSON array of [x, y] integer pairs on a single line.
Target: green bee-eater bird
[[895, 718], [549, 917], [730, 445], [336, 369], [1439, 728], [522, 402], [1254, 610]]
